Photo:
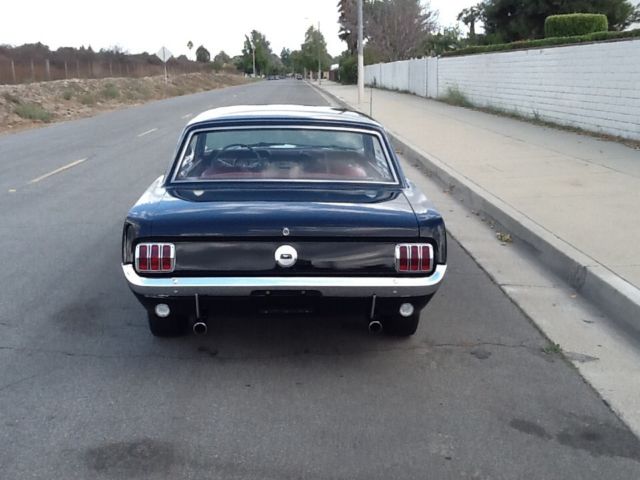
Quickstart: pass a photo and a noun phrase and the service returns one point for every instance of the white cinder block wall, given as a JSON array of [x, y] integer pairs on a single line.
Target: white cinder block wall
[[593, 86]]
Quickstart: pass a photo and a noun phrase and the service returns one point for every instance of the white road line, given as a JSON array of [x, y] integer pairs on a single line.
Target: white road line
[[57, 170], [187, 115], [147, 132]]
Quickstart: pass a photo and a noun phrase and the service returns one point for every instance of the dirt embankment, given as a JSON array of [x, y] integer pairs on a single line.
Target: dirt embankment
[[28, 105]]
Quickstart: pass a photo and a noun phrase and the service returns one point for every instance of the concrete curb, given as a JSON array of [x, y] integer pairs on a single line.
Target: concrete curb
[[613, 295]]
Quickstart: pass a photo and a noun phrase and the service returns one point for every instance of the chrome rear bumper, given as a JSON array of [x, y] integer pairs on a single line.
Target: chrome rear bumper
[[244, 286]]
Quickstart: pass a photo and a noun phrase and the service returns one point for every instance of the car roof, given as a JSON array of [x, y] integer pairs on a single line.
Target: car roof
[[284, 112]]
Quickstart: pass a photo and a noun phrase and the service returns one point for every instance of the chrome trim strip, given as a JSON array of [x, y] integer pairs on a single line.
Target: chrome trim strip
[[177, 165], [244, 286]]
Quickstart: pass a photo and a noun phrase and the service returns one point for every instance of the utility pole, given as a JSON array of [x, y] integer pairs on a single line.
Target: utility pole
[[319, 57], [253, 53], [360, 54]]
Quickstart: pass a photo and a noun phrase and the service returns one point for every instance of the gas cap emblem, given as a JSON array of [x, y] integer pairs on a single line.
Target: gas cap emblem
[[286, 256]]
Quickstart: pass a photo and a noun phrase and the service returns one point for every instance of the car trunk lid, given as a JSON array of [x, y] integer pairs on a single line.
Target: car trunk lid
[[270, 213]]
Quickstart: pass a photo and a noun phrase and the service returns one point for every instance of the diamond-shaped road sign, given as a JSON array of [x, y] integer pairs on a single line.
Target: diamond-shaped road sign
[[164, 54]]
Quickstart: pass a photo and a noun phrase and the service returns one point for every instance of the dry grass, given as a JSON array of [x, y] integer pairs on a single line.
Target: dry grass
[[28, 105]]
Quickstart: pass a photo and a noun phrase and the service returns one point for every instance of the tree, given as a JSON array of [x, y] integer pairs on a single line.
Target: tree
[[189, 45], [297, 63], [202, 55], [262, 50], [285, 58], [275, 67], [314, 51], [397, 28], [348, 21], [347, 68], [511, 20], [445, 40], [220, 60], [470, 16]]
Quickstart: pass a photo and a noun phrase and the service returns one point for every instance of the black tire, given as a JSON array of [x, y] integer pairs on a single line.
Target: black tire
[[171, 326], [399, 326]]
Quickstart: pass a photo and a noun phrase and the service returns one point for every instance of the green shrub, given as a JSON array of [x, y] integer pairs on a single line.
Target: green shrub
[[573, 24], [110, 91], [142, 91], [87, 99], [67, 94], [348, 69], [455, 97], [33, 111], [545, 42]]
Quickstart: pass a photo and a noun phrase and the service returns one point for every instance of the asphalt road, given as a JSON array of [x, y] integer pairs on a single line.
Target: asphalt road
[[87, 393]]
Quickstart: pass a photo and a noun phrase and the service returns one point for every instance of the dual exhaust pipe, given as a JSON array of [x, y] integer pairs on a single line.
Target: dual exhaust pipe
[[200, 328], [375, 327]]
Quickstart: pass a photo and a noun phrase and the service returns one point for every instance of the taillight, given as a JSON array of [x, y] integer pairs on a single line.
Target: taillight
[[155, 257], [414, 257]]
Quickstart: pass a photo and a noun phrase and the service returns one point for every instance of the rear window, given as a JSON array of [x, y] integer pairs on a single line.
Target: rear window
[[284, 154]]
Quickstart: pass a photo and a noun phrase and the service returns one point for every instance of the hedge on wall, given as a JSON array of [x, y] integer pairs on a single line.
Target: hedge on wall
[[348, 70], [573, 24], [545, 42]]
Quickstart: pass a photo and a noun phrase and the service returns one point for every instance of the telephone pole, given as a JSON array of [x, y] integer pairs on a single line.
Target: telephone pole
[[253, 53], [319, 57], [360, 54]]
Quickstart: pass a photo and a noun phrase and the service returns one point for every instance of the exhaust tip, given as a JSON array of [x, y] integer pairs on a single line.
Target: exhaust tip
[[200, 328], [375, 326]]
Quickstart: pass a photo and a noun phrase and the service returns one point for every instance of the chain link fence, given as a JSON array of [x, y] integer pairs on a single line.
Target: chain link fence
[[28, 71]]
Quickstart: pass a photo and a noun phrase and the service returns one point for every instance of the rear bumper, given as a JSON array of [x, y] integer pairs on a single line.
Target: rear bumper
[[246, 286]]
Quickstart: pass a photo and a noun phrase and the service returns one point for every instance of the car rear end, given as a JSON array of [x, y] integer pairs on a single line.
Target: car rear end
[[283, 225]]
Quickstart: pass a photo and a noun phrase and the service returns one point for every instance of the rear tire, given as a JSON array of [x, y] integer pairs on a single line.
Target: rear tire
[[172, 326], [399, 326]]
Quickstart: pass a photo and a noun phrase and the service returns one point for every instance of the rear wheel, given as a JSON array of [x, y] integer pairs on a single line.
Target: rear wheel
[[172, 326], [400, 326]]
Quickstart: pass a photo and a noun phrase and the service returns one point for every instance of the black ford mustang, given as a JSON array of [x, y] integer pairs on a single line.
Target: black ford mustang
[[284, 208]]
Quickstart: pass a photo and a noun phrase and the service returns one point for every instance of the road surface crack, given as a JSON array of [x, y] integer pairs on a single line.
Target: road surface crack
[[205, 353]]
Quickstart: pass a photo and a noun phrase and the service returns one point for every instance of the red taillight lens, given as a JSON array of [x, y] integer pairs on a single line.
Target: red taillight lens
[[414, 257], [427, 250], [155, 257], [143, 260], [403, 260]]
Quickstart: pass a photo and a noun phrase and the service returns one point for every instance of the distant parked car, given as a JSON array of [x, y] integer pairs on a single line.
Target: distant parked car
[[283, 208], [298, 77]]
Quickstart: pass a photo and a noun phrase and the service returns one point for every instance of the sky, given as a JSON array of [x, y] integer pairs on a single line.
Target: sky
[[143, 25]]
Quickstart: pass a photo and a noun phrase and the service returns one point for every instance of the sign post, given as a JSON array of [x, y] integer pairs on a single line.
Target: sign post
[[164, 54]]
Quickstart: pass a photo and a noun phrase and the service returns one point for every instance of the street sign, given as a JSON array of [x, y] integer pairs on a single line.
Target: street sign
[[164, 54]]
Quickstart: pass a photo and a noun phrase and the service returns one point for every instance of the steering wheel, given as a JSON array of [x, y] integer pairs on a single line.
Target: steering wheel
[[237, 163]]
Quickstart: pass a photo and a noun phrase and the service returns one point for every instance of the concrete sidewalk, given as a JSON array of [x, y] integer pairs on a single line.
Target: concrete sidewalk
[[578, 194]]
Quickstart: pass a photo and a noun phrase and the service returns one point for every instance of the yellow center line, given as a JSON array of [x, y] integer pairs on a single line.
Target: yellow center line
[[147, 132], [57, 170]]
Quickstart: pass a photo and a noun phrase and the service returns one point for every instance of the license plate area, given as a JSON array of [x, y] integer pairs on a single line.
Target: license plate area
[[286, 293]]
